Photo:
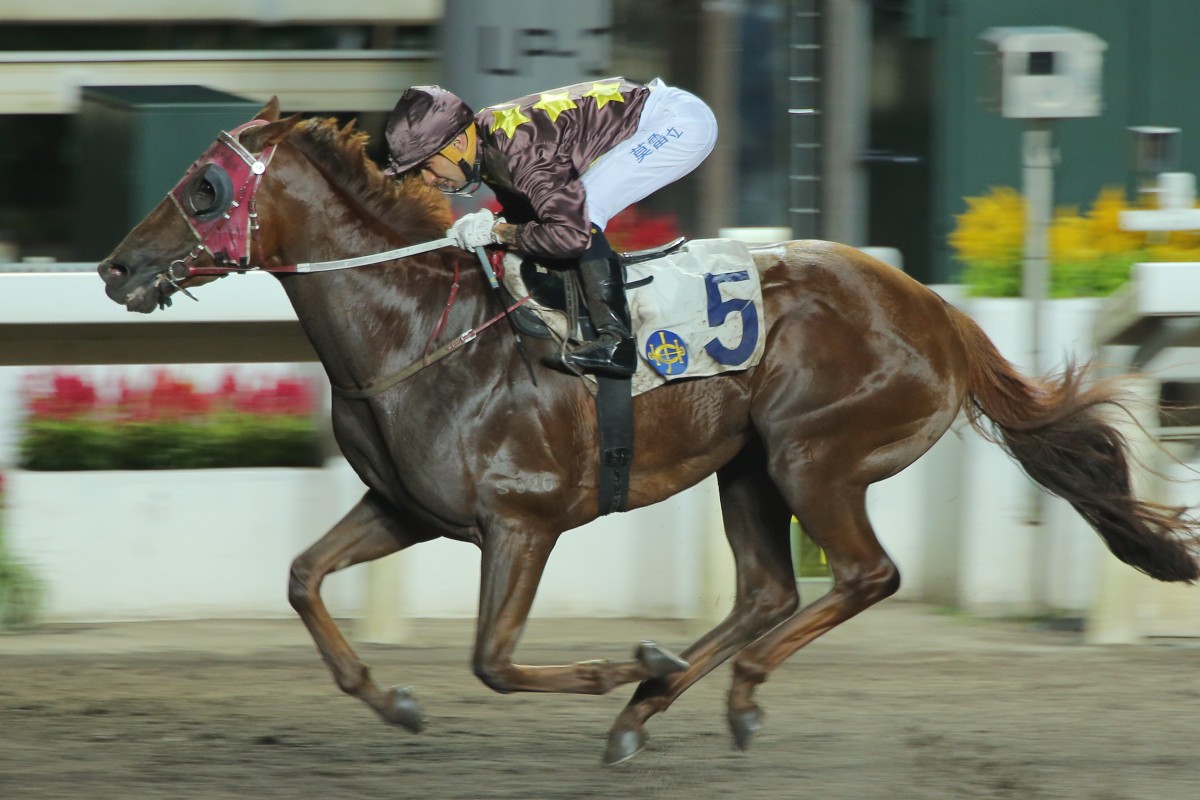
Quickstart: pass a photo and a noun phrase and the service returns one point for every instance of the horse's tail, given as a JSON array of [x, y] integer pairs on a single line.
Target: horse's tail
[[1057, 432]]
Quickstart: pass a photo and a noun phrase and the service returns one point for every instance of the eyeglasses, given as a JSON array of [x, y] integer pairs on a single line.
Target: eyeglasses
[[439, 182]]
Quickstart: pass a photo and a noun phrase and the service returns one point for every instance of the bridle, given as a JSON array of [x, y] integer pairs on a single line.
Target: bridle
[[216, 198]]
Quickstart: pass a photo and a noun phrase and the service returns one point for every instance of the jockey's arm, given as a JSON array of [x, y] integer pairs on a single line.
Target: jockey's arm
[[505, 233], [557, 198]]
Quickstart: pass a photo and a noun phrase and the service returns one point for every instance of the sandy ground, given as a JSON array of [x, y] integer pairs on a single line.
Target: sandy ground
[[904, 702]]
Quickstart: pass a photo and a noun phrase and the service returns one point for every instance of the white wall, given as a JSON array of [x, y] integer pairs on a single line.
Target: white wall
[[1021, 549], [171, 545], [644, 563], [218, 543]]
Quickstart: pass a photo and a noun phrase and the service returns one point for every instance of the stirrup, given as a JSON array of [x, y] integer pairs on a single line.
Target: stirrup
[[616, 358], [557, 361]]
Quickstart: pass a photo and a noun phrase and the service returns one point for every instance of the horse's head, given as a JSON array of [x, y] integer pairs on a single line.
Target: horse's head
[[203, 228]]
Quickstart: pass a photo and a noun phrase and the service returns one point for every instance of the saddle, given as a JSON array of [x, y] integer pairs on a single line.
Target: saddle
[[548, 282]]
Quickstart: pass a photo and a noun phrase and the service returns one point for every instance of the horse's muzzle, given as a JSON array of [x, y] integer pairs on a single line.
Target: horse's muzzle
[[143, 297]]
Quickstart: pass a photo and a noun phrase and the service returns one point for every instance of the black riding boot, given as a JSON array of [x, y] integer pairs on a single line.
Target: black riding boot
[[613, 352]]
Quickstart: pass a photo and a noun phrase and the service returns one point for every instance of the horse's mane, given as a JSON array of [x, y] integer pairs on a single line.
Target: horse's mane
[[407, 206]]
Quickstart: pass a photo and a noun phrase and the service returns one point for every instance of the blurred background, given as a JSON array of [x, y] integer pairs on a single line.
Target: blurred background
[[878, 123]]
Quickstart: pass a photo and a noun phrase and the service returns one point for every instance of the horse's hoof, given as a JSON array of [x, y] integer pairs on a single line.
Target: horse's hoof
[[623, 745], [745, 723], [402, 709], [657, 661]]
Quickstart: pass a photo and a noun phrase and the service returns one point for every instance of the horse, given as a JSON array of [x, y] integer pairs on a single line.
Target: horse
[[864, 369]]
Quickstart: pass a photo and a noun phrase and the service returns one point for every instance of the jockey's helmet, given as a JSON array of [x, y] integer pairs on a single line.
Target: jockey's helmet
[[425, 120]]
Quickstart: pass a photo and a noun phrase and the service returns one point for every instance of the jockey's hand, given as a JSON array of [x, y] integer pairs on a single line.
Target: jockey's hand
[[474, 229]]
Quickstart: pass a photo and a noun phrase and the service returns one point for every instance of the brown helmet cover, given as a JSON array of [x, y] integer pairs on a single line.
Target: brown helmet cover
[[424, 121]]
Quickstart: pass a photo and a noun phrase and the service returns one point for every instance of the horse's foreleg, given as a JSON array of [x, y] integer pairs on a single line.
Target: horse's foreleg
[[513, 562], [836, 519], [756, 525], [367, 532]]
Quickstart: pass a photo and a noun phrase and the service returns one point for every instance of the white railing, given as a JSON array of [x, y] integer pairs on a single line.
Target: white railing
[[64, 317], [303, 80], [274, 12]]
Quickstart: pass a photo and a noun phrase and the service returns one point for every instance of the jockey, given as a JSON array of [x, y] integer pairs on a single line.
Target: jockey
[[562, 164]]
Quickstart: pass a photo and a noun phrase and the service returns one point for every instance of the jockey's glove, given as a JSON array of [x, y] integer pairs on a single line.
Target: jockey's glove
[[474, 229]]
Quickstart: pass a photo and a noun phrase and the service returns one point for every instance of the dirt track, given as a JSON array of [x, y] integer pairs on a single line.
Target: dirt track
[[901, 703]]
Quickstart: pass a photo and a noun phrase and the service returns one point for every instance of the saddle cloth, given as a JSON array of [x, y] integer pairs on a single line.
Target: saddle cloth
[[699, 314]]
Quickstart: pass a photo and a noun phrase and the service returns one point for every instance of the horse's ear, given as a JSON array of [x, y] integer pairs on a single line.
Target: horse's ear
[[272, 133], [270, 112]]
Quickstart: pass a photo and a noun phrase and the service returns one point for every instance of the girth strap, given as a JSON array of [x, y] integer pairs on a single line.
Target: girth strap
[[614, 416]]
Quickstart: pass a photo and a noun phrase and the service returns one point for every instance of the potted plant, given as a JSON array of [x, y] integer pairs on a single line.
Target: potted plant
[[166, 485], [1090, 254], [168, 424], [1011, 541]]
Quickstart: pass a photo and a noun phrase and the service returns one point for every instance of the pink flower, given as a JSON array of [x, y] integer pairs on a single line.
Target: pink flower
[[61, 396], [66, 397]]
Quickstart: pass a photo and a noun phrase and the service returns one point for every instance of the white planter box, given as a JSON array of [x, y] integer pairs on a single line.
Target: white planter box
[[172, 544], [644, 563], [189, 544], [1009, 565]]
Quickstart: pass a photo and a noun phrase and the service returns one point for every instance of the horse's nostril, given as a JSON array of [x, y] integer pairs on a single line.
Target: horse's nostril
[[117, 270]]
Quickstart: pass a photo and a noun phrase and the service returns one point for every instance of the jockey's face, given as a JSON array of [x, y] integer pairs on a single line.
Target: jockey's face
[[442, 173]]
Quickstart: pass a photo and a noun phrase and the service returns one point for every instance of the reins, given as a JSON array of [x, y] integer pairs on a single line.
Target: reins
[[361, 261], [429, 358]]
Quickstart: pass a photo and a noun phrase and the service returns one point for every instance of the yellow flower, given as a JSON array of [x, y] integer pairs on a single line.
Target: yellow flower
[[1105, 218], [1072, 237], [1090, 254], [992, 229]]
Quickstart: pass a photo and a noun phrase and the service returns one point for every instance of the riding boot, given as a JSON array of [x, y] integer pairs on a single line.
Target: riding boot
[[613, 352]]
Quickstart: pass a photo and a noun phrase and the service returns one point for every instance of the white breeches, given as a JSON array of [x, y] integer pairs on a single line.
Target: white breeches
[[676, 132]]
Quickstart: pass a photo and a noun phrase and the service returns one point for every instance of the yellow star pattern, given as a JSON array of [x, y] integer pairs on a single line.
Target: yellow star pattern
[[508, 119], [554, 103], [605, 93]]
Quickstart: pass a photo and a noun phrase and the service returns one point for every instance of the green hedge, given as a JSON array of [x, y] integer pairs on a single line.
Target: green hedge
[[223, 441], [1098, 277], [20, 590], [20, 593]]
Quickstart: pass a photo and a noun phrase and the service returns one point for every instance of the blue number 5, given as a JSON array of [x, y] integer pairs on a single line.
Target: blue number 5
[[720, 309]]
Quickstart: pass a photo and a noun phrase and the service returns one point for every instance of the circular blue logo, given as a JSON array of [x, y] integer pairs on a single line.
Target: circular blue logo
[[667, 353]]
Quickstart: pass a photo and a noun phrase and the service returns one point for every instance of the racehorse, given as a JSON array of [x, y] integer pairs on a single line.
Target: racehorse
[[864, 369]]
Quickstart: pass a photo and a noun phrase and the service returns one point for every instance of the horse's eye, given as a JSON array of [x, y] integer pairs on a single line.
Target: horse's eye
[[204, 196], [210, 193]]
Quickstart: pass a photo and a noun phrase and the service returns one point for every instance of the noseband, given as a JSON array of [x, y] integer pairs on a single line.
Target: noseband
[[215, 197]]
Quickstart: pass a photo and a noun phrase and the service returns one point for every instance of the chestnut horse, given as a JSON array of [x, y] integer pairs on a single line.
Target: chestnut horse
[[864, 369]]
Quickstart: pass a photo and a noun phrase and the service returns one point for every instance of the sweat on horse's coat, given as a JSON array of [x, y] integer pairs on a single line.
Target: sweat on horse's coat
[[863, 370]]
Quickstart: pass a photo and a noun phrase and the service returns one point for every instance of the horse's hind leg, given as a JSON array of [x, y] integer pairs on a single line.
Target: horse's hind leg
[[756, 524], [368, 531], [835, 516]]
